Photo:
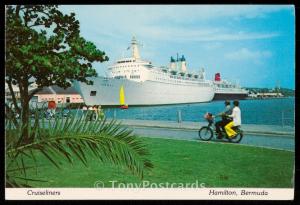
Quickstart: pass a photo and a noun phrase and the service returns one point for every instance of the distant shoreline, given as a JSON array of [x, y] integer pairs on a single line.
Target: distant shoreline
[[267, 98]]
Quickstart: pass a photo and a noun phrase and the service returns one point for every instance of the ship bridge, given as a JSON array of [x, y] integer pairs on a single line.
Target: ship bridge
[[133, 68]]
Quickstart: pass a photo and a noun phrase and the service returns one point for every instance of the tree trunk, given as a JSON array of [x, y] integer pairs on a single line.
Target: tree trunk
[[25, 111], [9, 115], [14, 100]]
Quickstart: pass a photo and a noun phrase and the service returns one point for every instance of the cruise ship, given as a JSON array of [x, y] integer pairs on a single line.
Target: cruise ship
[[226, 90], [142, 83]]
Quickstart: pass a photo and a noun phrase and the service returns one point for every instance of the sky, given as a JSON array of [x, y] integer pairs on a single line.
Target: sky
[[253, 45]]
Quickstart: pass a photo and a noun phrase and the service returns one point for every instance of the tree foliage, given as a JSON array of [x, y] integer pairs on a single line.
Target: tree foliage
[[43, 43], [44, 46]]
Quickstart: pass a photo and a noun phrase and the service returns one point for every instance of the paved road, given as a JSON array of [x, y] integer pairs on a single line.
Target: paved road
[[277, 142]]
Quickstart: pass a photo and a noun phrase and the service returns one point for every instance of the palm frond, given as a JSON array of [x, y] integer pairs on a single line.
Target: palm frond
[[74, 137]]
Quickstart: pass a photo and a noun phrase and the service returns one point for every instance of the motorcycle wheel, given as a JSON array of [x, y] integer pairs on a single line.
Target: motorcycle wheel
[[237, 138], [205, 133]]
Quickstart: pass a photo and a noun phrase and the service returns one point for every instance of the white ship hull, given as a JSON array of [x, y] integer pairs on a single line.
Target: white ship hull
[[230, 94], [231, 91], [142, 93]]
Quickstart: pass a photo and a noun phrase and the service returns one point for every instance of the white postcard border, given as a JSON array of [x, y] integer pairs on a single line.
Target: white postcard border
[[147, 193]]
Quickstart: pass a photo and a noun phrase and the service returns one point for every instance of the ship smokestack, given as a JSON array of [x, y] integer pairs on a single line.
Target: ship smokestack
[[217, 77], [183, 64], [172, 64], [202, 74]]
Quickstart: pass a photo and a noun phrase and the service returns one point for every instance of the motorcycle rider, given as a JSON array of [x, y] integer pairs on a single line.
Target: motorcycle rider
[[225, 119]]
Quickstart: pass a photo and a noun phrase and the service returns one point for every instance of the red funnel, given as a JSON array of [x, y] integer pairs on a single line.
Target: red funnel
[[217, 77]]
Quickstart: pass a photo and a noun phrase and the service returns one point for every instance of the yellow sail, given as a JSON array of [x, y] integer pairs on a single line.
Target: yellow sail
[[122, 96]]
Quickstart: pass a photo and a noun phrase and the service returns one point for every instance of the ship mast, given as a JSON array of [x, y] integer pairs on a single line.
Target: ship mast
[[135, 49]]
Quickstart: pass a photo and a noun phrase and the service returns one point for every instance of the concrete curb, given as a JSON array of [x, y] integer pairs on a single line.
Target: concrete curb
[[248, 129], [266, 130]]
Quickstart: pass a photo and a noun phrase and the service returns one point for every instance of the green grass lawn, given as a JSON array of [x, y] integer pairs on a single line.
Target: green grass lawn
[[176, 161]]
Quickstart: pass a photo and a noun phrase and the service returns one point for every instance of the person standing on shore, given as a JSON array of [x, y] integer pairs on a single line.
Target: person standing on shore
[[90, 113], [51, 109], [84, 109], [236, 115], [95, 112], [100, 113]]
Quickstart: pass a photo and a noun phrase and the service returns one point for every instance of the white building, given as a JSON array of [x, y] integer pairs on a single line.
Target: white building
[[59, 95]]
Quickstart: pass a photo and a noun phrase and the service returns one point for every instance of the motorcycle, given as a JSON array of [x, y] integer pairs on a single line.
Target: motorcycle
[[206, 133]]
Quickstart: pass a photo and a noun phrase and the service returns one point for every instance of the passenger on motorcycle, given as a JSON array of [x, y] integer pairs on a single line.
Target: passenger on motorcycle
[[236, 115]]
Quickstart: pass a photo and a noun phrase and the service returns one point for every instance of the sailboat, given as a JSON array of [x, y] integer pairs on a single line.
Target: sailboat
[[122, 98]]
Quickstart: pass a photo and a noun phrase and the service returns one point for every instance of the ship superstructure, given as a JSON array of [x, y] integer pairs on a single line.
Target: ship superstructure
[[146, 84]]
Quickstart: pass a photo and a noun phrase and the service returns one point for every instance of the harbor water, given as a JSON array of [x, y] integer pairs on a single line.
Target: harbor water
[[276, 111]]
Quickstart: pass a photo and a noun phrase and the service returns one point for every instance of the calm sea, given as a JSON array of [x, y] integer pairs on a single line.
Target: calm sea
[[267, 111]]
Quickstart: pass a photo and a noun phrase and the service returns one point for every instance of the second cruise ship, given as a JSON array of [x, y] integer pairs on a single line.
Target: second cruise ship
[[141, 83], [226, 90]]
